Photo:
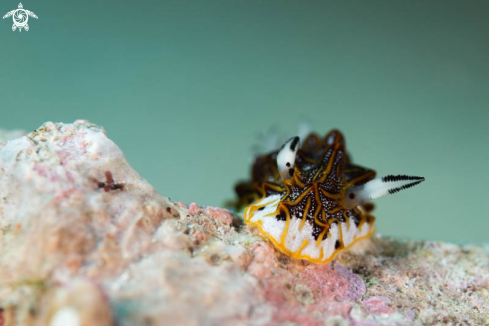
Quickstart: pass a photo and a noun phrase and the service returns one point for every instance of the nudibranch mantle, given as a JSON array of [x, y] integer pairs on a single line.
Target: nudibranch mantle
[[310, 201]]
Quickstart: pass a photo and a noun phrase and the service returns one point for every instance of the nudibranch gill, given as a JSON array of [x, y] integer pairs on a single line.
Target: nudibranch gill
[[310, 201]]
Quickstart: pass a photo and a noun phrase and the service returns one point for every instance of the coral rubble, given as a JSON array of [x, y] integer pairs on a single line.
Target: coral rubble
[[85, 240]]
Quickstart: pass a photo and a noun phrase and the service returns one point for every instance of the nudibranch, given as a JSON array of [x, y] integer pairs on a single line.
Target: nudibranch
[[310, 201]]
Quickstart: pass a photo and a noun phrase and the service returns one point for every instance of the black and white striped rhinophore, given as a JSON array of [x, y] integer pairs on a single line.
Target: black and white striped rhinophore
[[286, 158], [377, 188]]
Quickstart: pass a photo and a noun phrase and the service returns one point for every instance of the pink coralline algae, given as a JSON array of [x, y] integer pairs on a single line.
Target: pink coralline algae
[[86, 241]]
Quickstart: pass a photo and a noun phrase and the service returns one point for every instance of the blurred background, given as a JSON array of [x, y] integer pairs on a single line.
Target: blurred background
[[186, 88]]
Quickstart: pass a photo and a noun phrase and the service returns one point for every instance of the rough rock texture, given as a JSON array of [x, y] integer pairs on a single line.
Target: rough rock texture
[[84, 240]]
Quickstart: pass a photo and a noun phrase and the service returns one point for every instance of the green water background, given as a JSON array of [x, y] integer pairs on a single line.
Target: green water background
[[186, 87]]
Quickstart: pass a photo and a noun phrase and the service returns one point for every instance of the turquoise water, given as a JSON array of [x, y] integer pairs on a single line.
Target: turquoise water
[[186, 87]]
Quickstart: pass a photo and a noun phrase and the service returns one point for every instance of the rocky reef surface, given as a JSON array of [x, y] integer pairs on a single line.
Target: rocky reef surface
[[84, 240]]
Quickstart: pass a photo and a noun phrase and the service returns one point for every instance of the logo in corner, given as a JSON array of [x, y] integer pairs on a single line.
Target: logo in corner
[[20, 17]]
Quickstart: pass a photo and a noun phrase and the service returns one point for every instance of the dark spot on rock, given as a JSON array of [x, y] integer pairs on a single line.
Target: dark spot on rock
[[110, 184], [283, 260], [214, 259]]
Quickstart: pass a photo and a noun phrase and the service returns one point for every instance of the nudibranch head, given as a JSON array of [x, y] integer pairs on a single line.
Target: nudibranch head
[[310, 201]]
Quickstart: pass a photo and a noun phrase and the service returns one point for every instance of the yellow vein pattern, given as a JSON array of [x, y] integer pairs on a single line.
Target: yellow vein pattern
[[304, 216]]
